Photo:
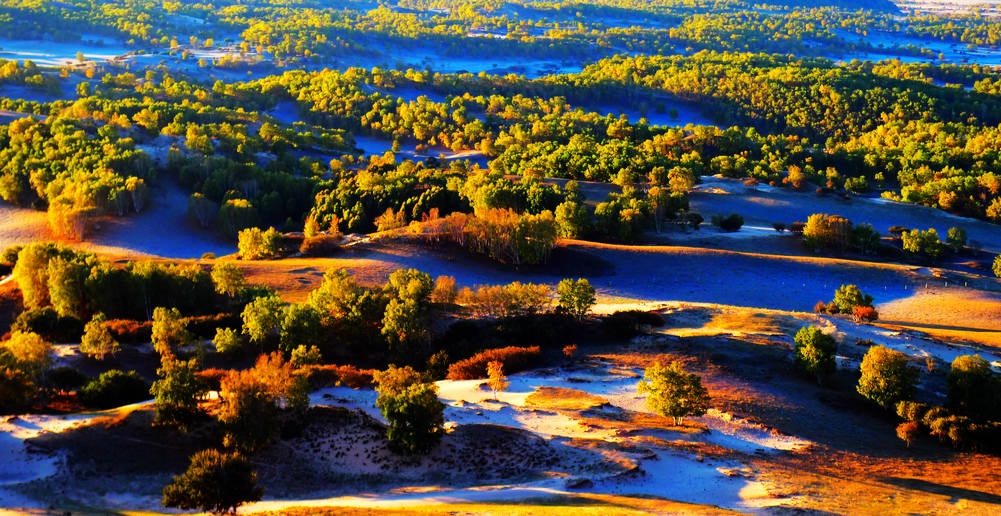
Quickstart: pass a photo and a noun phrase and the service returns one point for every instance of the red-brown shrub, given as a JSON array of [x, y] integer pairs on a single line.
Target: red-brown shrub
[[205, 326], [320, 376], [864, 313], [128, 331], [514, 358], [320, 245]]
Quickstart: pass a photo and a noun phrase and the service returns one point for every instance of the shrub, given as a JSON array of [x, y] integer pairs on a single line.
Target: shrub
[[9, 255], [206, 326], [996, 267], [824, 231], [576, 296], [569, 351], [797, 227], [849, 296], [16, 389], [304, 356], [779, 226], [228, 278], [130, 331], [956, 238], [898, 230], [115, 388], [814, 352], [886, 378], [629, 323], [864, 313], [515, 359], [215, 481], [514, 299], [29, 352], [820, 307], [65, 378], [177, 391], [730, 223], [320, 376], [412, 408], [673, 392], [320, 245]]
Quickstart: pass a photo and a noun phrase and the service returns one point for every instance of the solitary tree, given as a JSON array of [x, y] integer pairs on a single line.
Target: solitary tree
[[814, 352], [886, 378], [415, 414], [973, 389], [673, 392], [495, 377], [97, 340], [576, 296], [262, 318], [216, 482], [907, 432], [228, 279]]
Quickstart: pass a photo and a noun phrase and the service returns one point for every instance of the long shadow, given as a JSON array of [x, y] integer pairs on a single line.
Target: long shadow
[[956, 493], [930, 326]]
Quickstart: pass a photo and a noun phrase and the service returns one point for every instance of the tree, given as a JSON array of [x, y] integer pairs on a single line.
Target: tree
[[908, 431], [215, 481], [956, 238], [97, 340], [576, 296], [254, 244], [996, 267], [227, 340], [66, 278], [814, 352], [115, 388], [252, 400], [170, 331], [304, 356], [572, 219], [412, 408], [300, 326], [262, 318], [444, 290], [29, 352], [673, 392], [886, 378], [495, 377], [848, 297], [228, 279], [973, 389], [177, 391]]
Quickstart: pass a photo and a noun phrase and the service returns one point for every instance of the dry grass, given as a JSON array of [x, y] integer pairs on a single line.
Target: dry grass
[[955, 314], [569, 505], [558, 398]]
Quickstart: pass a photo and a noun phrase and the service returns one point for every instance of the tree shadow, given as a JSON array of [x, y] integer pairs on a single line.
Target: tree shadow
[[955, 493]]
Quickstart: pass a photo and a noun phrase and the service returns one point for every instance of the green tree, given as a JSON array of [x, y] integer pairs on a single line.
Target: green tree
[[66, 278], [412, 408], [848, 297], [97, 339], [673, 392], [886, 378], [576, 296], [227, 340], [572, 219], [115, 388], [170, 331], [304, 356], [254, 244], [262, 318], [997, 266], [814, 352], [974, 389], [177, 391], [29, 352], [215, 482], [956, 238], [228, 279], [300, 326]]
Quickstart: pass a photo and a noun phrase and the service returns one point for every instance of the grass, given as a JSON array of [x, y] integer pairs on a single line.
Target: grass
[[558, 398], [570, 505]]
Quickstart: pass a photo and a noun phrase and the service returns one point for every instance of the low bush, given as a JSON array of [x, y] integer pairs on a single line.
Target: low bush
[[629, 323], [65, 378], [115, 388], [128, 331], [730, 223], [796, 227], [514, 358], [205, 326], [320, 245], [320, 376]]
